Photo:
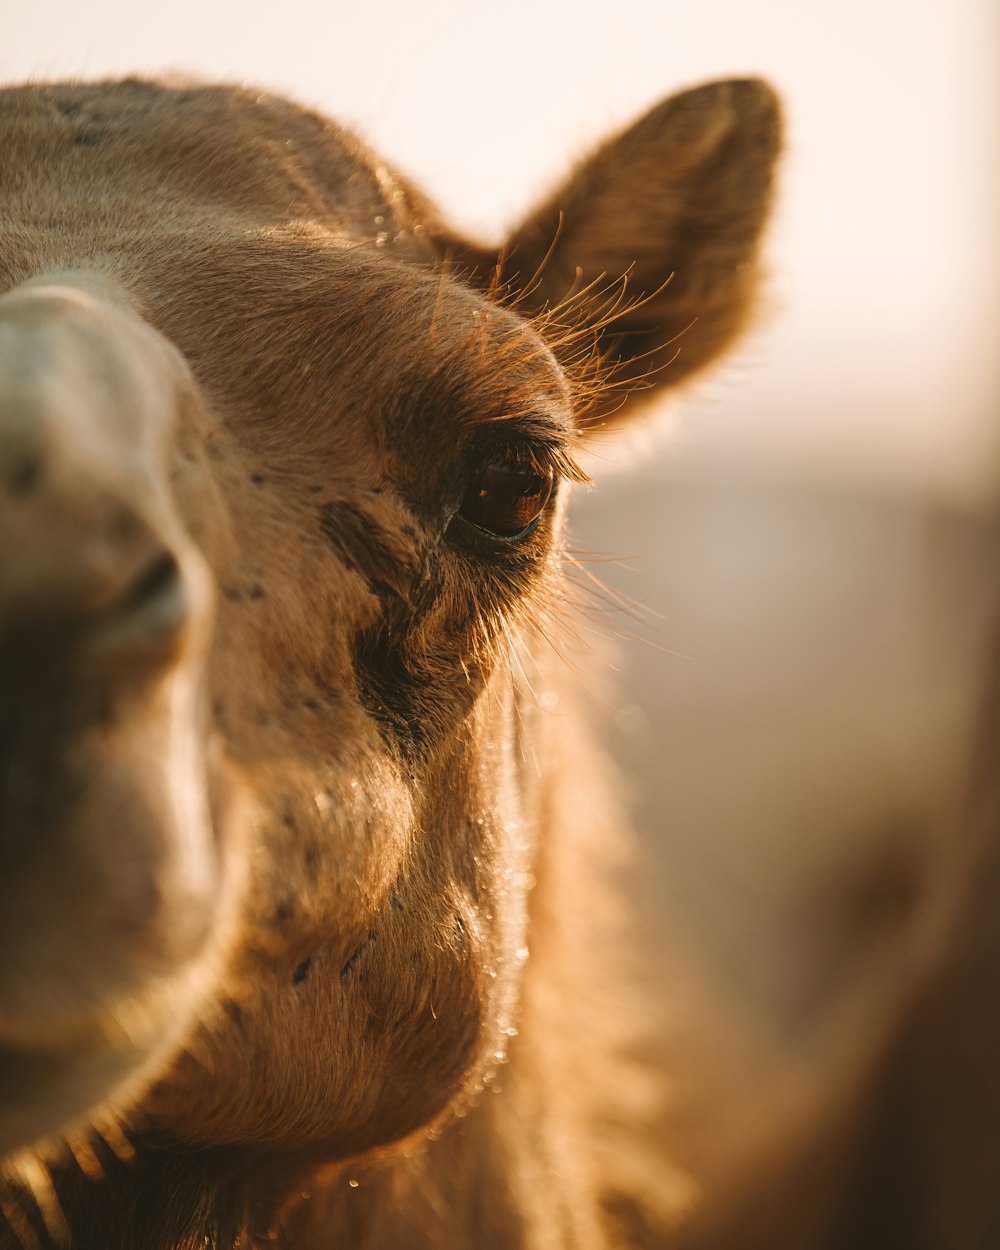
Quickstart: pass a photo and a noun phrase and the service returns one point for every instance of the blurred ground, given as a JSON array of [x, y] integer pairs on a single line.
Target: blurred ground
[[800, 704]]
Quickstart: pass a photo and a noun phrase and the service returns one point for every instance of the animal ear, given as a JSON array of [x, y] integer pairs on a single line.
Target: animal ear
[[650, 246]]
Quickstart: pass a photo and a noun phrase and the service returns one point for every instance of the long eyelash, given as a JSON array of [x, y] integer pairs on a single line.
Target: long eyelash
[[543, 459], [533, 445]]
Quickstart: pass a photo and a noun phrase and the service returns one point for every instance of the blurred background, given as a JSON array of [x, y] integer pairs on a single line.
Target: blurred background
[[808, 536]]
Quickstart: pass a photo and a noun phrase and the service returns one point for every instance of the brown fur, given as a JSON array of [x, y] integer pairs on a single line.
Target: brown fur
[[245, 359]]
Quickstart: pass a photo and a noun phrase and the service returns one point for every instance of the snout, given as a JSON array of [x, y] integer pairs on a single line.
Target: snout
[[109, 865]]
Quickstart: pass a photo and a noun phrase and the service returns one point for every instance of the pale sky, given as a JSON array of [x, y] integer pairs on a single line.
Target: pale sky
[[878, 356]]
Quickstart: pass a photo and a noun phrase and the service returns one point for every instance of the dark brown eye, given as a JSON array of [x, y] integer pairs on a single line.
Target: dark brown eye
[[506, 498]]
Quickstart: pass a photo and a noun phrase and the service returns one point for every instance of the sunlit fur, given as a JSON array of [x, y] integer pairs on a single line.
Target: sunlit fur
[[404, 1018]]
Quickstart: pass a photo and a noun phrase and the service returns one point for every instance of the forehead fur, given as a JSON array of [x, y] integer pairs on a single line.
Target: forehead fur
[[361, 366], [163, 150], [280, 262]]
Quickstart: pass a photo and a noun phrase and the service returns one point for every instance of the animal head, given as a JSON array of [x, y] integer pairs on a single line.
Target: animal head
[[283, 468]]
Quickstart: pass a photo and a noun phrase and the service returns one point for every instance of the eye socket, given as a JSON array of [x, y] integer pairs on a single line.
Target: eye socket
[[506, 497]]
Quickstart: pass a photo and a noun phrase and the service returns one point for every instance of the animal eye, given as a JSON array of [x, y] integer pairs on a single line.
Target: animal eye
[[506, 497]]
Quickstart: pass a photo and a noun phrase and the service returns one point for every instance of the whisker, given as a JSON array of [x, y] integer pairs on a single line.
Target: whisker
[[19, 1224], [112, 1134], [35, 1177], [82, 1151]]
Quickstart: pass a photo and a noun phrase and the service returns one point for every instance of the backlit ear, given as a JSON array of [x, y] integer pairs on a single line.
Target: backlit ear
[[660, 228]]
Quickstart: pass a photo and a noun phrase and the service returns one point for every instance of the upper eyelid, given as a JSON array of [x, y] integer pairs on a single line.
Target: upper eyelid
[[528, 425], [547, 445]]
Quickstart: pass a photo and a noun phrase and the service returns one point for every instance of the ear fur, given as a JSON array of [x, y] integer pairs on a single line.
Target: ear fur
[[650, 246]]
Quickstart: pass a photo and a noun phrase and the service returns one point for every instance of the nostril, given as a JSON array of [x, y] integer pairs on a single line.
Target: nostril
[[151, 612], [159, 580]]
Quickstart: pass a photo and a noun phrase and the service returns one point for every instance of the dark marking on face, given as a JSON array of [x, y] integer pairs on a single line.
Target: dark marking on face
[[257, 592], [282, 913], [414, 699], [302, 971], [390, 691], [349, 966], [258, 479], [388, 563]]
